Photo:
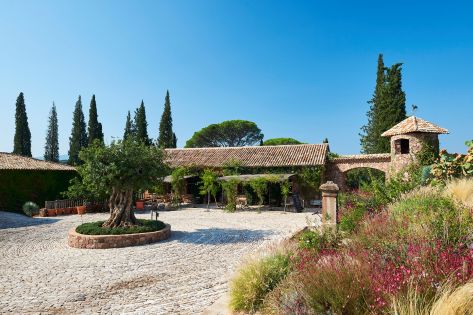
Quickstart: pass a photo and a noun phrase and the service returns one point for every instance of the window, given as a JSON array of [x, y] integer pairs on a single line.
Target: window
[[401, 146]]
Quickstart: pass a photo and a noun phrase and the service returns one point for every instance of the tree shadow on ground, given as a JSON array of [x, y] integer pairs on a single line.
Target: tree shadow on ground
[[10, 220], [215, 236]]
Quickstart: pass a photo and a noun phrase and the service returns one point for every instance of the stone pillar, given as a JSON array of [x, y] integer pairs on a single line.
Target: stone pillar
[[329, 204]]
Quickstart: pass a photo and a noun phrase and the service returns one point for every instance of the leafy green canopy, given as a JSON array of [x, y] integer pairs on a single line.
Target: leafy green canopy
[[124, 165], [78, 138], [22, 139], [95, 128], [230, 133], [51, 149], [281, 141], [388, 107], [167, 138]]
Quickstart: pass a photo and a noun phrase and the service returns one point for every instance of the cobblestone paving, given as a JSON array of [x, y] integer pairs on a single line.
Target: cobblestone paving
[[185, 274]]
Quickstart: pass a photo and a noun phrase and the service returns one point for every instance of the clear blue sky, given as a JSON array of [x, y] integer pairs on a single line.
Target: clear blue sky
[[298, 69]]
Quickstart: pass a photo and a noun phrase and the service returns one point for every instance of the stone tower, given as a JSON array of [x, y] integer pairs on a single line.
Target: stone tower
[[408, 138]]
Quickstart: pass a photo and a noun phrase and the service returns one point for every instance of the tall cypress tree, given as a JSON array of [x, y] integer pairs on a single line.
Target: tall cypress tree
[[129, 128], [95, 128], [387, 108], [141, 125], [51, 149], [370, 135], [78, 138], [22, 139], [167, 138]]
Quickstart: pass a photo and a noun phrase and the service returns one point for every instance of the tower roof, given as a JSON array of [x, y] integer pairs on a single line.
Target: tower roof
[[414, 124]]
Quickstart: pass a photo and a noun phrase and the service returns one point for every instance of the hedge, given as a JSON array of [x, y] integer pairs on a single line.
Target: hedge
[[20, 186]]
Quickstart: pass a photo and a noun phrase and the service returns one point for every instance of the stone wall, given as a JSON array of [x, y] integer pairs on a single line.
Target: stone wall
[[114, 241], [416, 141], [337, 168]]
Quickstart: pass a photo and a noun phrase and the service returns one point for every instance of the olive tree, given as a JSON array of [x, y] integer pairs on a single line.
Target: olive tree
[[118, 170]]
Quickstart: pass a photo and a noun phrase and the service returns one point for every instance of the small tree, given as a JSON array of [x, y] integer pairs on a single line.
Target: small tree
[[230, 188], [119, 170], [209, 185], [178, 183], [285, 190], [260, 187]]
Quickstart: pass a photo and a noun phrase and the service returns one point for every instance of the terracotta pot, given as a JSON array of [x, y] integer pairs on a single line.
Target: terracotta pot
[[81, 210], [51, 212], [140, 205]]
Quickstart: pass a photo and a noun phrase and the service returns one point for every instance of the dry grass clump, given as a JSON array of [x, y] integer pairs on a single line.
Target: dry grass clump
[[259, 275], [461, 191], [449, 300]]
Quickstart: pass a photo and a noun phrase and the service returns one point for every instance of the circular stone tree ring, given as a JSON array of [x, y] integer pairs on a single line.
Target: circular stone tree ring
[[78, 240]]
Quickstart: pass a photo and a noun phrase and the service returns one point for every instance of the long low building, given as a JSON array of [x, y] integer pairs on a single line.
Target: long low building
[[25, 179]]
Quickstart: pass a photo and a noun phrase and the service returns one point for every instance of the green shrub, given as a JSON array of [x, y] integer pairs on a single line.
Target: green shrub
[[230, 189], [434, 216], [95, 228], [30, 208], [386, 192], [318, 240], [255, 280], [350, 221]]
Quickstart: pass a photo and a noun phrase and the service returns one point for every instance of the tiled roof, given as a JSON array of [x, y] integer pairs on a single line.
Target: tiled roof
[[414, 124], [9, 161], [257, 156]]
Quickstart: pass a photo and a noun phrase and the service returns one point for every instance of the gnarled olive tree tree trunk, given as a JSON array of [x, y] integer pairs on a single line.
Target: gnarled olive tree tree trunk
[[121, 213]]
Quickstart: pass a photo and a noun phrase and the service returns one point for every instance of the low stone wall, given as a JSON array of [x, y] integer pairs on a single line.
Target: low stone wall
[[114, 241]]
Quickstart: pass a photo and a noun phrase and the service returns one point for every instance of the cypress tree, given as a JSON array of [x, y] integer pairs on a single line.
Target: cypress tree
[[51, 149], [141, 125], [370, 135], [387, 108], [129, 128], [166, 135], [174, 140], [78, 138], [22, 139], [95, 128]]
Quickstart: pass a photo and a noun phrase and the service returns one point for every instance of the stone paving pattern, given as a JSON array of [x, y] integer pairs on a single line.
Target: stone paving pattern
[[40, 274]]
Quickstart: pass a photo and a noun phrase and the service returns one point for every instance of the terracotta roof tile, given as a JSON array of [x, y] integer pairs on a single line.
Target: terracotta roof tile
[[257, 156], [9, 161], [414, 124]]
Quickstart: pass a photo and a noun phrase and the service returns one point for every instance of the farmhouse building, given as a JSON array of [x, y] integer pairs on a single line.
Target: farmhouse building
[[407, 140]]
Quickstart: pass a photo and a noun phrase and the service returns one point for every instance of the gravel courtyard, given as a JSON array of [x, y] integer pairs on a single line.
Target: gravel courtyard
[[185, 274]]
